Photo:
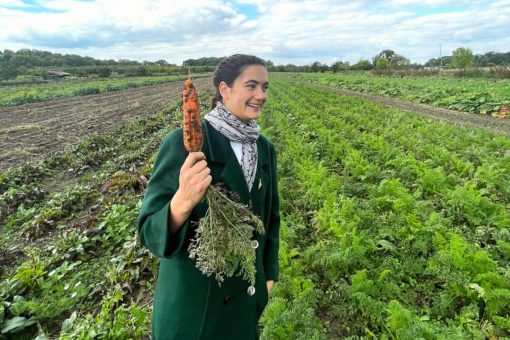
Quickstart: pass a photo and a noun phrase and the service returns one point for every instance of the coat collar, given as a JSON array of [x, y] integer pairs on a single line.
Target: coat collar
[[232, 174]]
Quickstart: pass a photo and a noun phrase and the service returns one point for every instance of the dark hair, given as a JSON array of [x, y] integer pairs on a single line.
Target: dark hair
[[229, 69]]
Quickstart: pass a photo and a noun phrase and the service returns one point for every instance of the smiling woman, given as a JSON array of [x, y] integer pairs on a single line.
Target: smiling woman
[[246, 96], [187, 303]]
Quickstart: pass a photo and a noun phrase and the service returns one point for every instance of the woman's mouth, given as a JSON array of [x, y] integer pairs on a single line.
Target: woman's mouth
[[256, 107]]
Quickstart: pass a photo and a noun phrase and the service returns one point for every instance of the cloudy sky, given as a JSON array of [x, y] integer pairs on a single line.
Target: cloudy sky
[[283, 31]]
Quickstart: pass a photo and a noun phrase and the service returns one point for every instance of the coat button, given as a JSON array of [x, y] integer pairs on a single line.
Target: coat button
[[226, 299], [254, 244], [251, 290]]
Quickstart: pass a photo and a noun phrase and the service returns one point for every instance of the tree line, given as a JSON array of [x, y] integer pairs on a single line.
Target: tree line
[[461, 58], [36, 63]]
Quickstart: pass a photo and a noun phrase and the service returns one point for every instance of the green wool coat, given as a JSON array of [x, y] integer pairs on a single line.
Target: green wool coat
[[188, 304]]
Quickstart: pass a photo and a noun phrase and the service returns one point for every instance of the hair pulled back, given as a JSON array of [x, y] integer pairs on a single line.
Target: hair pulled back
[[229, 69]]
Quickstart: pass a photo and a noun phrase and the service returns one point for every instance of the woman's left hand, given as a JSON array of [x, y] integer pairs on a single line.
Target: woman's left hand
[[269, 285]]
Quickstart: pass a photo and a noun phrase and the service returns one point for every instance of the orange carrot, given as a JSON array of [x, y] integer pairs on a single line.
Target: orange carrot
[[191, 120]]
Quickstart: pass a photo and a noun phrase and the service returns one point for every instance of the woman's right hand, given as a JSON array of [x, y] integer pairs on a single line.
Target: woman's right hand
[[194, 179]]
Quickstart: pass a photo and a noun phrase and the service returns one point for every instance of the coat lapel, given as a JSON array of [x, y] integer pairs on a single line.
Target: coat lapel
[[258, 192], [226, 168]]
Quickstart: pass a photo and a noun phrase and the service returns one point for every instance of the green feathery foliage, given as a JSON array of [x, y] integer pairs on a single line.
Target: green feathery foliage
[[223, 243]]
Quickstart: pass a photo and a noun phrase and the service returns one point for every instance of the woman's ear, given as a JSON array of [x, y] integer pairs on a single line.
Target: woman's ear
[[224, 90]]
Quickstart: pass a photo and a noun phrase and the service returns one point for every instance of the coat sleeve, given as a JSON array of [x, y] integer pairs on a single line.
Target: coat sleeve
[[153, 228], [271, 265]]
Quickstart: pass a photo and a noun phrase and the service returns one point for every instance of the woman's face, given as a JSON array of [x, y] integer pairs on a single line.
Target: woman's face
[[248, 93]]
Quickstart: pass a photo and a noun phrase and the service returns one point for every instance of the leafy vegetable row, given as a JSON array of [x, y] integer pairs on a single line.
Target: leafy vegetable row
[[481, 96]]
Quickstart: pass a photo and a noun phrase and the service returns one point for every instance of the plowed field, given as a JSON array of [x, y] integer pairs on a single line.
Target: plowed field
[[33, 131]]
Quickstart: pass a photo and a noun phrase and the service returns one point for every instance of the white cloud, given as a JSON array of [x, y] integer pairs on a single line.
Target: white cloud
[[285, 31]]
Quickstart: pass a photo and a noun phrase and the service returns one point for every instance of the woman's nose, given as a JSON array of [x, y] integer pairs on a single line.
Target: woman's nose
[[261, 94]]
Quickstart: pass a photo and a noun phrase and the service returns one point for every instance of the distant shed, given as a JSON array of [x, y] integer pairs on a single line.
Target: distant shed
[[58, 74]]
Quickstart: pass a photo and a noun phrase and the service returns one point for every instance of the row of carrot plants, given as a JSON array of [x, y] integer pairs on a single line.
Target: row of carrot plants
[[481, 96], [395, 226]]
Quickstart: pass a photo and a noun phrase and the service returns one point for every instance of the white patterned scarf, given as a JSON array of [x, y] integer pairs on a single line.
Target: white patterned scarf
[[226, 123]]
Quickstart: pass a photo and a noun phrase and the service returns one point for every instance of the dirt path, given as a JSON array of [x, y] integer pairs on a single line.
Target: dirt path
[[35, 130], [494, 125]]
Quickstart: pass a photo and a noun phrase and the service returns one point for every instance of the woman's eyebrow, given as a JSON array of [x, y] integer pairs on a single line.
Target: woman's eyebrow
[[255, 81]]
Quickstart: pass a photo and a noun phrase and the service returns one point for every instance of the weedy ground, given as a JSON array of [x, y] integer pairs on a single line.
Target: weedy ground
[[70, 262]]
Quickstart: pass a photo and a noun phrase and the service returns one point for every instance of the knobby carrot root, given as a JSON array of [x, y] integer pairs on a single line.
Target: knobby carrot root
[[191, 121]]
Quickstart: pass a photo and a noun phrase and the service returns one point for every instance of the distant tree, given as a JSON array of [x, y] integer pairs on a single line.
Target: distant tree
[[323, 68], [462, 58], [437, 61], [390, 60], [73, 60], [316, 66], [205, 61], [387, 54], [362, 64], [7, 72], [286, 68], [128, 62], [497, 58], [141, 71], [104, 72], [339, 66], [269, 63], [7, 69], [161, 62], [382, 63], [79, 72], [399, 62], [480, 60], [22, 69]]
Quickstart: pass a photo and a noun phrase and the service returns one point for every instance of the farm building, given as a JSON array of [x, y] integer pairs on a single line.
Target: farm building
[[58, 74]]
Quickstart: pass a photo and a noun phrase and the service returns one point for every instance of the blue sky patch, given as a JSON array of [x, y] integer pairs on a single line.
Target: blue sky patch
[[425, 11], [33, 6], [250, 11]]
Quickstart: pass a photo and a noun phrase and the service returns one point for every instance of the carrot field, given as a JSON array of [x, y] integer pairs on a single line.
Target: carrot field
[[473, 95], [394, 226]]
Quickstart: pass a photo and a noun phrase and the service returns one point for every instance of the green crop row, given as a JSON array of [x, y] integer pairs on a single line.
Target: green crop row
[[481, 96], [18, 95], [394, 225]]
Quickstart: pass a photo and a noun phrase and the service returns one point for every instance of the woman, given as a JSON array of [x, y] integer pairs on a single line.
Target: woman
[[188, 304]]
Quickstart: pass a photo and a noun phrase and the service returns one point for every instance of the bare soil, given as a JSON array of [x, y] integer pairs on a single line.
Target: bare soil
[[33, 131], [492, 124]]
